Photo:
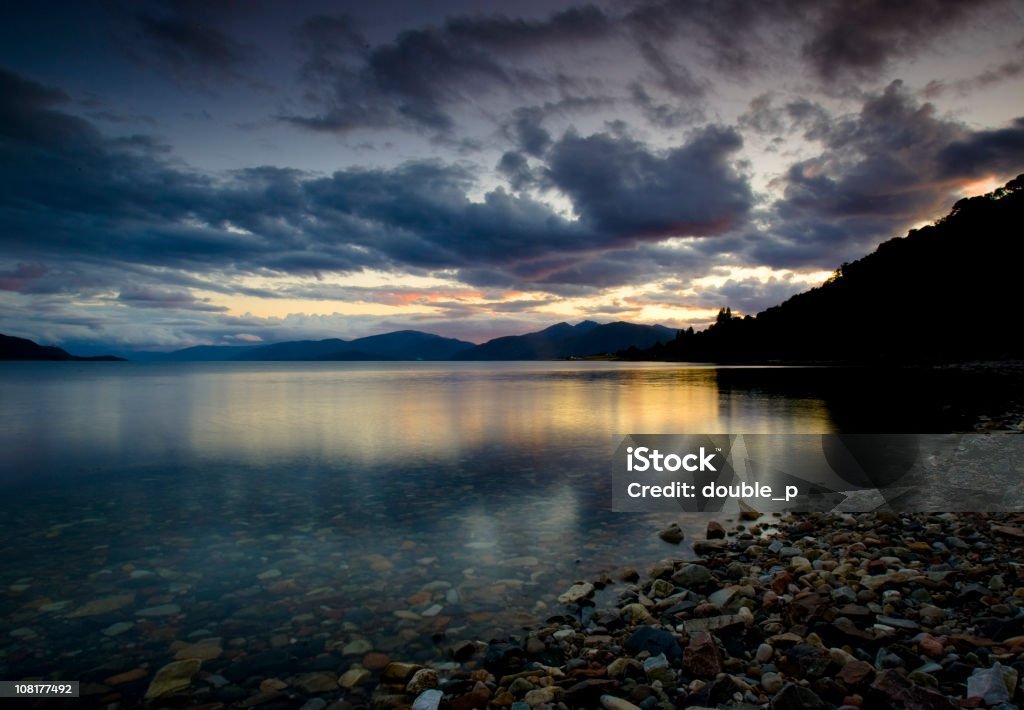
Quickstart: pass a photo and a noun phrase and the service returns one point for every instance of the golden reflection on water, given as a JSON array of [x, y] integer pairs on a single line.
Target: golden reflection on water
[[377, 412]]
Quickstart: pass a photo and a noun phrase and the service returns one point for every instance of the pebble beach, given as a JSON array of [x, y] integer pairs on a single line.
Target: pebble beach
[[803, 612]]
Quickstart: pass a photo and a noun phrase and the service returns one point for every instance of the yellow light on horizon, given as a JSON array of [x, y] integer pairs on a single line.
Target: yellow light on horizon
[[981, 186]]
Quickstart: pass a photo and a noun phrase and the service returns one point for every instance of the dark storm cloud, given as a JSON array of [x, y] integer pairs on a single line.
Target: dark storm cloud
[[515, 168], [68, 193], [665, 115], [990, 77], [575, 24], [413, 80], [860, 38], [148, 297], [187, 39], [1000, 151], [619, 186], [799, 115], [22, 278], [526, 130], [188, 46], [727, 33], [672, 76], [671, 51], [72, 199], [881, 171]]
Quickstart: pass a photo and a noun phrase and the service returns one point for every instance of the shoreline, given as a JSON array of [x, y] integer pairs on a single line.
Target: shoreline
[[811, 611]]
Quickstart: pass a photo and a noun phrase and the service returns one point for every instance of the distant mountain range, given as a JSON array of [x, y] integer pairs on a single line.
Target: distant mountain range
[[559, 341], [563, 341], [12, 348]]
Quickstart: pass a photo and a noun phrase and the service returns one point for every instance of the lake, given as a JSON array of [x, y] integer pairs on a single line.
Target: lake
[[306, 514]]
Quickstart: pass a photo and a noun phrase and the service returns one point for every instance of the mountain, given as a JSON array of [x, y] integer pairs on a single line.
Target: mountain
[[563, 340], [944, 292], [294, 350], [12, 348], [199, 353], [399, 345], [410, 345]]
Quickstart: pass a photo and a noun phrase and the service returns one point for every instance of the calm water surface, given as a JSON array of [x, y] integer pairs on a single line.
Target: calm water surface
[[316, 510]]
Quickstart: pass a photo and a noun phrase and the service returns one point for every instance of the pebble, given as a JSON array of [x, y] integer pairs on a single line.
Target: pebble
[[672, 534], [690, 575], [772, 682], [159, 610], [104, 605], [357, 675], [173, 679], [610, 702], [576, 593], [428, 700], [356, 648]]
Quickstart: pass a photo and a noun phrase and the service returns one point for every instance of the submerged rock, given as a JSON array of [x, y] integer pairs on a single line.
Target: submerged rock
[[173, 679], [576, 593], [673, 534]]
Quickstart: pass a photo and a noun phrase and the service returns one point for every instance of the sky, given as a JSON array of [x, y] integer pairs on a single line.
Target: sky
[[182, 173]]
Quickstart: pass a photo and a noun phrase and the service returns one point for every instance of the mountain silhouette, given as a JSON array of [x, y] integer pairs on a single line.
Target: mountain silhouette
[[563, 340], [12, 348], [947, 291], [399, 345]]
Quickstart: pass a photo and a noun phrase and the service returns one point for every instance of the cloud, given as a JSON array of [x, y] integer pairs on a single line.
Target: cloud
[[187, 40], [859, 39], [982, 153], [890, 166], [22, 277], [148, 297], [70, 194], [413, 80], [748, 296], [990, 77], [526, 131], [619, 186]]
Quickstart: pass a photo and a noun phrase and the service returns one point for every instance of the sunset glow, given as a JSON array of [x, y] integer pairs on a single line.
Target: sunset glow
[[472, 170]]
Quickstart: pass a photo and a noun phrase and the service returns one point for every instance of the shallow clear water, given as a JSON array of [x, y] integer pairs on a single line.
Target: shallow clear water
[[301, 507]]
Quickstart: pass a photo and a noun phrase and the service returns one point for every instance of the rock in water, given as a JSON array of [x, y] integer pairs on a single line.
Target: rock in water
[[173, 679], [428, 700], [576, 593], [354, 676], [715, 531], [673, 533], [316, 682], [207, 649], [423, 679], [104, 605]]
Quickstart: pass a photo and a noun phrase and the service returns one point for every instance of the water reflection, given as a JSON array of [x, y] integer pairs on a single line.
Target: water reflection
[[364, 413], [363, 494]]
